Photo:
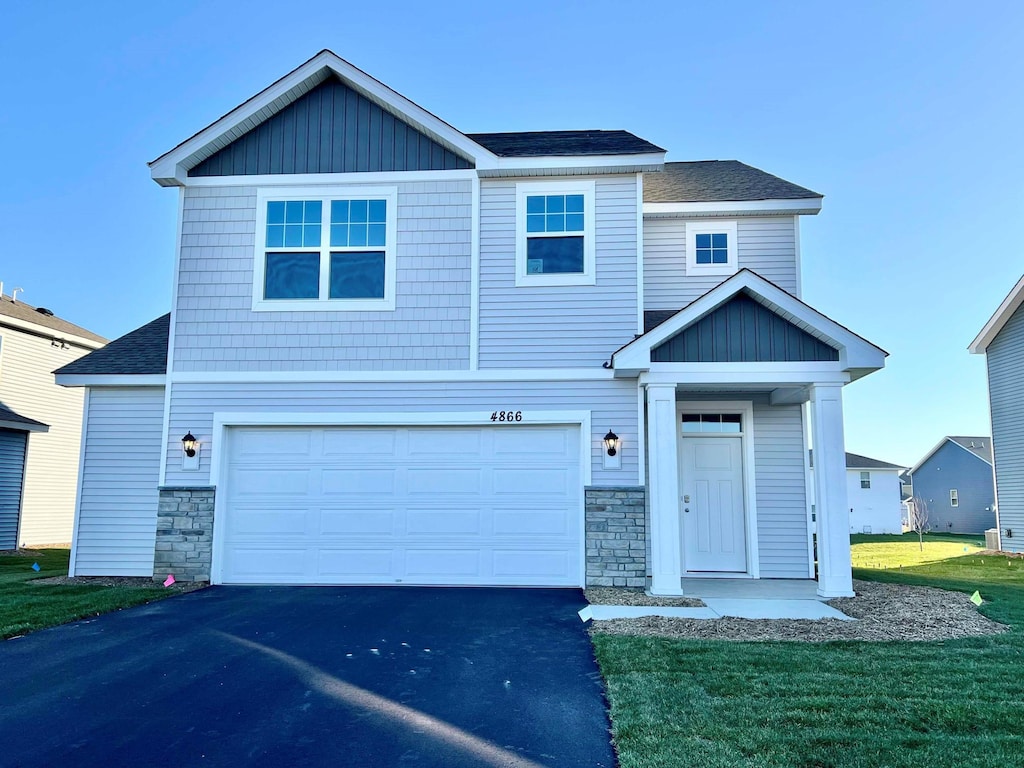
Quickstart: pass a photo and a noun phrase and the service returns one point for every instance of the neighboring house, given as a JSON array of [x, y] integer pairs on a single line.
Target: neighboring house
[[955, 480], [40, 424], [906, 494], [1002, 343], [402, 354], [872, 493]]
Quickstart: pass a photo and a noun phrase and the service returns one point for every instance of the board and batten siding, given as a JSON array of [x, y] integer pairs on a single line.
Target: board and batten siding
[[217, 330], [51, 472], [765, 245], [1005, 360], [780, 487], [557, 326], [120, 474], [612, 404]]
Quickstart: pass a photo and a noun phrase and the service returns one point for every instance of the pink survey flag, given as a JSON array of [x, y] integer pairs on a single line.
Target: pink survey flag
[[169, 580]]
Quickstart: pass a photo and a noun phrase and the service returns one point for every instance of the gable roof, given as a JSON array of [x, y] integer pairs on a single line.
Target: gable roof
[[981, 447], [856, 461], [11, 420], [856, 354], [1001, 316], [564, 143], [20, 313], [716, 181], [139, 352]]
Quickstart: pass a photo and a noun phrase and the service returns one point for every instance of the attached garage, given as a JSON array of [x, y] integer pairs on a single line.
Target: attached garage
[[493, 505]]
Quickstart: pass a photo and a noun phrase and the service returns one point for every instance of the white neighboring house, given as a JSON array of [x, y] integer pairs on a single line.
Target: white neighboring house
[[873, 494], [40, 424], [402, 354]]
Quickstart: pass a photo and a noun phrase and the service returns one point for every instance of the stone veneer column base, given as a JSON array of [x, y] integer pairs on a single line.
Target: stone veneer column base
[[616, 528], [184, 534]]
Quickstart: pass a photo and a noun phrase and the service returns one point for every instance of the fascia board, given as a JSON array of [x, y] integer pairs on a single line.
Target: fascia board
[[999, 318]]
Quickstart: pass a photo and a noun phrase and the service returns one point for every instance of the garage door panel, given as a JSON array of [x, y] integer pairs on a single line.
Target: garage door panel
[[486, 505]]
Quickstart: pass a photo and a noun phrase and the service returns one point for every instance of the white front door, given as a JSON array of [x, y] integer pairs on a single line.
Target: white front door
[[714, 521]]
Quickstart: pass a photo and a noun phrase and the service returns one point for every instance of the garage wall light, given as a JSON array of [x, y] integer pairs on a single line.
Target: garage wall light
[[611, 443], [190, 448], [188, 444]]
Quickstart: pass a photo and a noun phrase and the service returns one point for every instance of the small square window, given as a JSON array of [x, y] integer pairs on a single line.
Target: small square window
[[711, 247]]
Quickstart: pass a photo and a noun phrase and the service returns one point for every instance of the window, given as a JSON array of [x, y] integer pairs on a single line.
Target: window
[[865, 479], [954, 498], [317, 251], [555, 233], [711, 248], [711, 423]]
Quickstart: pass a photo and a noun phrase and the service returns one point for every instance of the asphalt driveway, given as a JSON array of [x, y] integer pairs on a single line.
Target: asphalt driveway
[[290, 676]]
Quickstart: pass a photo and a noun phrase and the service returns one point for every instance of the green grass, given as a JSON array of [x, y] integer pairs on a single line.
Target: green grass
[[834, 705], [879, 552], [26, 607]]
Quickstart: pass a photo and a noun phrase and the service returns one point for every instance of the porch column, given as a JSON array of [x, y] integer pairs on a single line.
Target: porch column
[[835, 577], [663, 463]]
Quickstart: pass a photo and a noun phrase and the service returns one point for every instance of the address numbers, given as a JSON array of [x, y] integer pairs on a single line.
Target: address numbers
[[507, 416]]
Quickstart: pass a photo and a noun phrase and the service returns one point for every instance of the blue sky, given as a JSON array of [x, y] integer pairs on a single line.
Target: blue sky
[[905, 115]]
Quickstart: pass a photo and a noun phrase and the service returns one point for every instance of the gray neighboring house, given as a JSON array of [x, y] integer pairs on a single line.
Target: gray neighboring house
[[1002, 343], [40, 424], [955, 479]]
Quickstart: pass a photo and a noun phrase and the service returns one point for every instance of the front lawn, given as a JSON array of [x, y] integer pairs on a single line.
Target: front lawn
[[25, 607], [833, 705]]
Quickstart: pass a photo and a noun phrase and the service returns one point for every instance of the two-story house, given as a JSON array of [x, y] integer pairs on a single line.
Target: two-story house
[[954, 480], [40, 423], [402, 354]]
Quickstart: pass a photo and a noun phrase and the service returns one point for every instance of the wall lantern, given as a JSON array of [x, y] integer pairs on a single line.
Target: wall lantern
[[188, 445], [611, 443]]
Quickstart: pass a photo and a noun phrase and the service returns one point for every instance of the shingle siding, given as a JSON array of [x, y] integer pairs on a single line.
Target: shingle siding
[[218, 331], [120, 474], [27, 386], [766, 245], [557, 327], [613, 404], [1005, 357], [952, 467]]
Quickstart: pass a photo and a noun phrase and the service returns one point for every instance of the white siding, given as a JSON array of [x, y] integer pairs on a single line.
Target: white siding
[[218, 331], [27, 386], [876, 509], [121, 470], [557, 327], [612, 403], [781, 491], [766, 245]]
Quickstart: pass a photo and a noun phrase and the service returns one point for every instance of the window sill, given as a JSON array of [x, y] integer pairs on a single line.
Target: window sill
[[694, 270], [554, 280], [329, 305]]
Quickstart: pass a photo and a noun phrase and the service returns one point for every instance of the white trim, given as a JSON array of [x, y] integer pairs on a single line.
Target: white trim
[[716, 227], [224, 420], [585, 187], [1001, 316], [639, 253], [474, 278], [17, 324], [169, 168], [954, 497], [73, 559], [641, 436], [175, 286], [325, 195], [343, 377], [508, 166], [746, 409], [807, 206], [766, 374], [805, 421], [799, 264], [111, 380], [330, 179]]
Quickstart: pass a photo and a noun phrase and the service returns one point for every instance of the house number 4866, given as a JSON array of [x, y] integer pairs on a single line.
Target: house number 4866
[[507, 416]]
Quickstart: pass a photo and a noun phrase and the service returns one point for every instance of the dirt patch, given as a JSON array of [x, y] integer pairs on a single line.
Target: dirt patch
[[115, 581], [1000, 553], [620, 596], [20, 553], [883, 612]]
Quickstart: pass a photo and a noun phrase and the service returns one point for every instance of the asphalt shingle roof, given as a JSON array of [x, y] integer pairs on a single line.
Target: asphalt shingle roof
[[7, 415], [717, 180], [564, 143], [19, 310], [139, 352], [855, 461], [979, 446]]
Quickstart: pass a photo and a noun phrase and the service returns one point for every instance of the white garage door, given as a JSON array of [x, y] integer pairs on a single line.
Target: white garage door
[[402, 505]]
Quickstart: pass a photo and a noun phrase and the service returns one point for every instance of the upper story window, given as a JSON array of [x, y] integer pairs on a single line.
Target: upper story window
[[555, 233], [711, 248], [317, 251], [865, 479]]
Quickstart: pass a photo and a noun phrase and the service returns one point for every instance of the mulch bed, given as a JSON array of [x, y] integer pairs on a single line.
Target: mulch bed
[[883, 611], [116, 581], [620, 596]]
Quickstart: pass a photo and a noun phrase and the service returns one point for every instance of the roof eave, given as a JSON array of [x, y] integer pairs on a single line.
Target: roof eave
[[111, 379], [809, 206], [999, 318]]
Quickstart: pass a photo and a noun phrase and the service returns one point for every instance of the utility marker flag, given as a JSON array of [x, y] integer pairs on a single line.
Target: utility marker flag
[[169, 580], [35, 567], [976, 598]]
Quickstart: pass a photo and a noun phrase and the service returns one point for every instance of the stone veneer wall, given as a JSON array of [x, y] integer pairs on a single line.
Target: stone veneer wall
[[184, 534], [616, 525]]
